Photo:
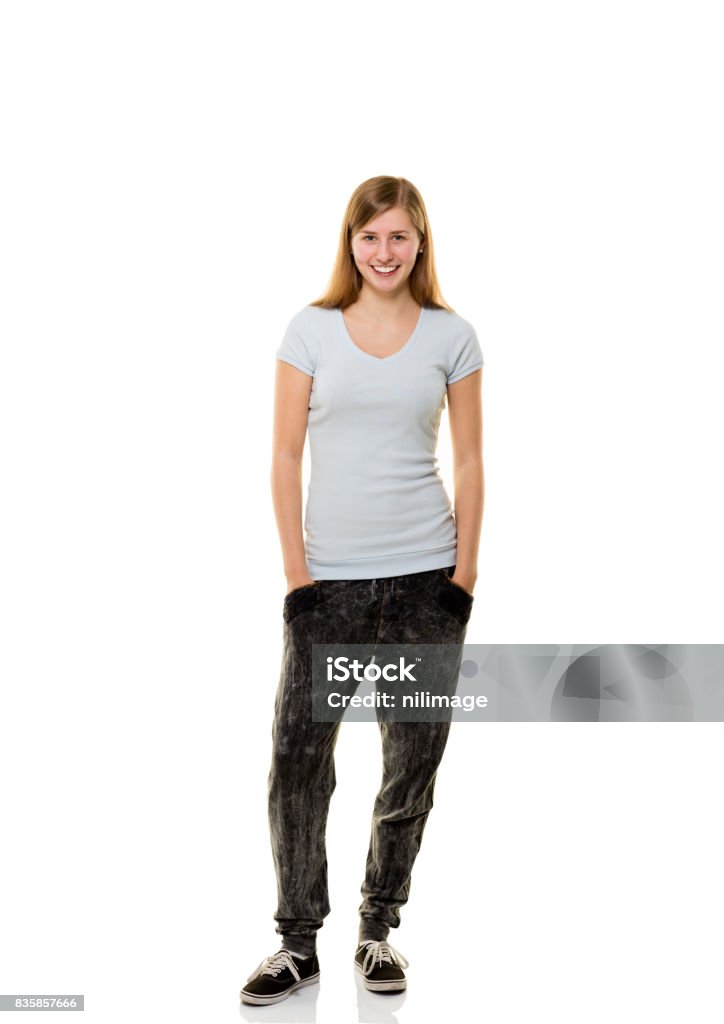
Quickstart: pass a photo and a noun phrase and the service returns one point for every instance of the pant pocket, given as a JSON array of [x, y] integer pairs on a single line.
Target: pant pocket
[[454, 599], [301, 599]]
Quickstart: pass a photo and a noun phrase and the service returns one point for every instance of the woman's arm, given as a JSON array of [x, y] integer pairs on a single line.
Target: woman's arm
[[465, 410], [291, 409]]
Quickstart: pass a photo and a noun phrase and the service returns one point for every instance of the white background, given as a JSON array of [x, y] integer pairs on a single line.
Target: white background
[[173, 183]]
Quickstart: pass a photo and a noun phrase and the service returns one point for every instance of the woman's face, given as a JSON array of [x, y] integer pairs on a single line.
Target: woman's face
[[390, 240]]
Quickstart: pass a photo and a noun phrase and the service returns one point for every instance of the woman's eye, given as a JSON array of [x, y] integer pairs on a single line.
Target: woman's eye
[[372, 236]]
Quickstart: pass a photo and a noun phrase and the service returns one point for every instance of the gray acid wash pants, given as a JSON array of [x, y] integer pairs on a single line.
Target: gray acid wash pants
[[423, 607]]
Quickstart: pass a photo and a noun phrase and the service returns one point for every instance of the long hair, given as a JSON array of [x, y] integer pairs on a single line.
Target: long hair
[[371, 198]]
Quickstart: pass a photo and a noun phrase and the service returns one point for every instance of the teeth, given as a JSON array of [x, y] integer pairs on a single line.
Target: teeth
[[384, 270]]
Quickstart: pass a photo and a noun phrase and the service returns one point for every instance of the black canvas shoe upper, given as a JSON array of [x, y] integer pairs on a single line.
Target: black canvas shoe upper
[[380, 961], [277, 973]]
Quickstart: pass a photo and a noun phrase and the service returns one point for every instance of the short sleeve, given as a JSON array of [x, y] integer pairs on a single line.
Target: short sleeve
[[466, 356], [296, 348]]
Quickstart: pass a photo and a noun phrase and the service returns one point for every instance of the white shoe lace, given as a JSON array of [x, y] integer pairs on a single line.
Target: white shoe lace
[[273, 965], [379, 953]]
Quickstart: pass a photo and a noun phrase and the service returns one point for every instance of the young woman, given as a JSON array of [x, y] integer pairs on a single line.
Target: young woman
[[382, 559]]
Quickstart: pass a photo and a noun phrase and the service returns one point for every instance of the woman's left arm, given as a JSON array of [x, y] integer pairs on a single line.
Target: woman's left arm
[[465, 410]]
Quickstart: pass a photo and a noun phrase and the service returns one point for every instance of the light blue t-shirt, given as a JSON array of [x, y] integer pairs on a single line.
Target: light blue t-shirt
[[376, 504]]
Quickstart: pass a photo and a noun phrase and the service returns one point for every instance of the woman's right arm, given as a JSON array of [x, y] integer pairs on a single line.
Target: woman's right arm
[[291, 410]]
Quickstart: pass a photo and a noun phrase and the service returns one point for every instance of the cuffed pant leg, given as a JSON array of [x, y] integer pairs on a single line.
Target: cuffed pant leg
[[300, 785], [423, 608], [411, 752]]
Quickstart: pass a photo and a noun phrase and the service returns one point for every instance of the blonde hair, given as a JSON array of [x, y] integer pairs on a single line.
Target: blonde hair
[[373, 197]]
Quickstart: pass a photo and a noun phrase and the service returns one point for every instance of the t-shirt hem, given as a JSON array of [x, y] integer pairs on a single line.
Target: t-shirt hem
[[384, 565]]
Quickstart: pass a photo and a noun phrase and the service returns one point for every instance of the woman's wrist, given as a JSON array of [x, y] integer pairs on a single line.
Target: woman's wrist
[[465, 578], [298, 578]]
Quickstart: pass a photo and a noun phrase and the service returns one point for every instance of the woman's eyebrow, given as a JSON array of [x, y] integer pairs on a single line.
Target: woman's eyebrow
[[402, 231]]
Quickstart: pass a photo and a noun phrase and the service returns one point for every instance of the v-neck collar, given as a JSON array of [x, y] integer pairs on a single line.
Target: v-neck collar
[[368, 355]]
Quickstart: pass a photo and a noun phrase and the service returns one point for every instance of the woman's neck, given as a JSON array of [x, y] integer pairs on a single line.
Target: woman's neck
[[381, 308]]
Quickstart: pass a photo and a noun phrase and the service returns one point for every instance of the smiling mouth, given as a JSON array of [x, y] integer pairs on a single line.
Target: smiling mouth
[[385, 271]]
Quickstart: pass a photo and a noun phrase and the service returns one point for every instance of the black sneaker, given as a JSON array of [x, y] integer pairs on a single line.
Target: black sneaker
[[278, 975], [380, 966]]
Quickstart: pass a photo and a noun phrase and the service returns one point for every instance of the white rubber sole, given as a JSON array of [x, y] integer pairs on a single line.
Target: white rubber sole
[[380, 986], [248, 997]]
